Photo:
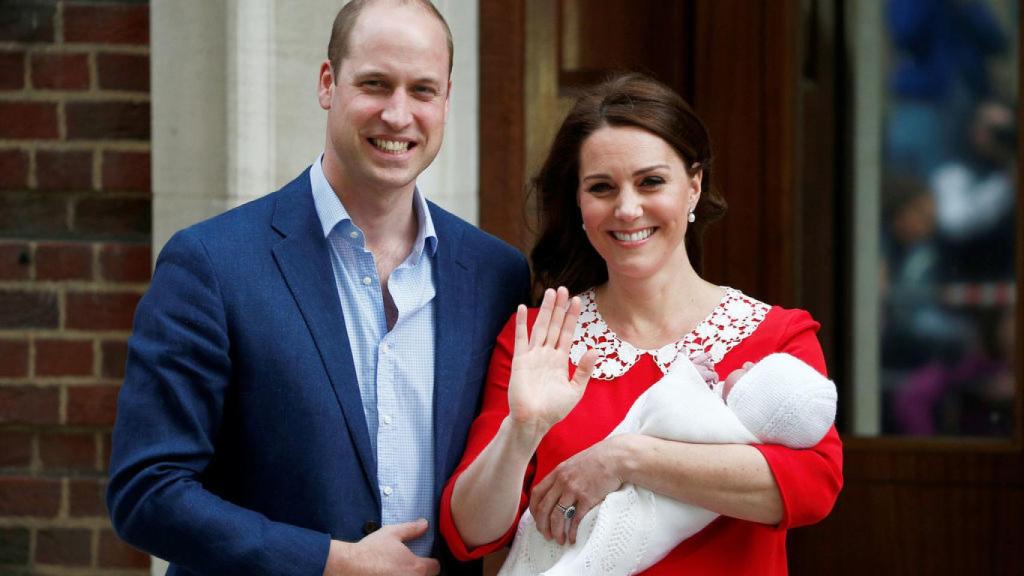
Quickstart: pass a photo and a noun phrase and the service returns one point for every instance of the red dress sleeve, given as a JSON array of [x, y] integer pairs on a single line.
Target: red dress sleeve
[[809, 480], [483, 430]]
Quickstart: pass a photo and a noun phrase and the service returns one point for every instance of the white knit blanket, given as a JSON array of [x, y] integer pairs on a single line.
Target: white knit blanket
[[634, 528]]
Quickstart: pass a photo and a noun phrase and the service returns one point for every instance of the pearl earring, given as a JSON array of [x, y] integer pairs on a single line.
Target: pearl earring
[[691, 217]]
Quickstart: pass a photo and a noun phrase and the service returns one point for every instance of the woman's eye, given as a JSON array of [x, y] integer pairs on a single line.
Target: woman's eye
[[599, 188], [650, 181]]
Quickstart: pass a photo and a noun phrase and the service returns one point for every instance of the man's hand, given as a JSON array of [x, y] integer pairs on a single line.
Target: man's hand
[[381, 554]]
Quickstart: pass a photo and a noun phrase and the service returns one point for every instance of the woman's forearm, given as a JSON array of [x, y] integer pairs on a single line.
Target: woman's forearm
[[486, 496], [730, 479]]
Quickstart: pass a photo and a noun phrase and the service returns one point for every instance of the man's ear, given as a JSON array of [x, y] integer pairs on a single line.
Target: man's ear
[[447, 100], [326, 85]]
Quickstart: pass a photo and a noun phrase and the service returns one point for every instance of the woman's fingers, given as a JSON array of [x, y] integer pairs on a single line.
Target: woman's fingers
[[558, 316], [572, 317], [551, 507], [582, 509], [542, 500], [584, 369], [522, 341], [558, 522], [540, 325]]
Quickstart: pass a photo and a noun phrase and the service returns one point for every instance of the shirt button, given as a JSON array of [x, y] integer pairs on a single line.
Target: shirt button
[[366, 280], [388, 490], [353, 234], [385, 348], [387, 420]]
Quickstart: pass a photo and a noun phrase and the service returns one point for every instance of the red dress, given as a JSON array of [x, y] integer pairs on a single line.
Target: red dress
[[740, 330]]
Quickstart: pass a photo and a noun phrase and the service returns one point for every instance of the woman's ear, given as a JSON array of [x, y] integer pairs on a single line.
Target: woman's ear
[[695, 183]]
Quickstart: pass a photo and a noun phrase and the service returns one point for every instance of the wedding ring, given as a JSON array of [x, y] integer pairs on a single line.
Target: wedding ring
[[568, 511]]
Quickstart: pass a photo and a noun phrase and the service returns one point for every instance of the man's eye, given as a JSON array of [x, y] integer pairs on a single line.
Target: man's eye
[[425, 91]]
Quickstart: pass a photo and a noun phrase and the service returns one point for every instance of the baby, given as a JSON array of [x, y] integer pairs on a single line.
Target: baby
[[779, 400]]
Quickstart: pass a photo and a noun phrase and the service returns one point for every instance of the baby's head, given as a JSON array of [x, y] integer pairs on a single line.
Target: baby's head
[[782, 400]]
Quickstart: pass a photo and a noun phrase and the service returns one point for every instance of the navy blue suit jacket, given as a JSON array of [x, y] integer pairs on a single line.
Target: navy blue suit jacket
[[240, 445]]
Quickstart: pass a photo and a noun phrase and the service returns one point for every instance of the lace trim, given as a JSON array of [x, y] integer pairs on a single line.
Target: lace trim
[[731, 321]]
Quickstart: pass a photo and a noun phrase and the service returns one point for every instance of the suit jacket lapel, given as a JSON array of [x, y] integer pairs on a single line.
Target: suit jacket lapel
[[455, 298], [303, 257]]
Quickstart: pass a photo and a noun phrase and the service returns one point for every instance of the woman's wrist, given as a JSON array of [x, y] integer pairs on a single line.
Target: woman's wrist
[[522, 437], [627, 455]]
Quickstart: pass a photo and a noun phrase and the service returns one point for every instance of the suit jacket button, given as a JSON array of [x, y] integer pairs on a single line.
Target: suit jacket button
[[370, 527]]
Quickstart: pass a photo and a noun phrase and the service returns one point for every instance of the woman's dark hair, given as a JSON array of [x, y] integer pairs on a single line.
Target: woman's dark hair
[[563, 256]]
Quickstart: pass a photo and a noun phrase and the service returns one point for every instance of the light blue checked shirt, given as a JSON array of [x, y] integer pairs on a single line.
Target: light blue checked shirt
[[395, 369]]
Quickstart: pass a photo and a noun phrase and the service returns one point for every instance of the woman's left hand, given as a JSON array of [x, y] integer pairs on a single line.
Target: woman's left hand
[[581, 481]]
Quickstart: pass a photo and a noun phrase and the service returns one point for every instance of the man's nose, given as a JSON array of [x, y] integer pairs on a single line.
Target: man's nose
[[396, 111]]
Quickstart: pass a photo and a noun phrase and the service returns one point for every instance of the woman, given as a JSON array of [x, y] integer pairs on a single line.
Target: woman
[[624, 195]]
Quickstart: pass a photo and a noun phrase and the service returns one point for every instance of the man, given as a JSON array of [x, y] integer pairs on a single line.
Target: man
[[304, 368]]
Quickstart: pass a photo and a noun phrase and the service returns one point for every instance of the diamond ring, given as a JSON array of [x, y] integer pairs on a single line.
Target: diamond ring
[[568, 511]]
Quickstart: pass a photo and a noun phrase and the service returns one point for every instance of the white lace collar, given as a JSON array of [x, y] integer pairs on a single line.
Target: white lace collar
[[732, 320]]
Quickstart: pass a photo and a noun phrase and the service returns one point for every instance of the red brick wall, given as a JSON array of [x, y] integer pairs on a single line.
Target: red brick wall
[[74, 260]]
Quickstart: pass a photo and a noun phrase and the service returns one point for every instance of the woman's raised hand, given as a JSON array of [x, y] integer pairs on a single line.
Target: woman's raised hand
[[540, 392]]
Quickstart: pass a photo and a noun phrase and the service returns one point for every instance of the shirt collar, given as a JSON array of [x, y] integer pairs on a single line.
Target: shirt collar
[[332, 212]]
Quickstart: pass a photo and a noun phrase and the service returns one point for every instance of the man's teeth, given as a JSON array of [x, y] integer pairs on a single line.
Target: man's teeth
[[393, 146], [633, 236]]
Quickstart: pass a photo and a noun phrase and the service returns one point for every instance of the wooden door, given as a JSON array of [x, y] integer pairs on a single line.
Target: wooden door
[[772, 82]]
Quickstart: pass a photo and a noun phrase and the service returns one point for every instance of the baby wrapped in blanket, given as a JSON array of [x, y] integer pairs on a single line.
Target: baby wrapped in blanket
[[778, 400]]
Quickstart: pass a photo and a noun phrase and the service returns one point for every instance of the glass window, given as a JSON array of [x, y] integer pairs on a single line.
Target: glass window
[[934, 180]]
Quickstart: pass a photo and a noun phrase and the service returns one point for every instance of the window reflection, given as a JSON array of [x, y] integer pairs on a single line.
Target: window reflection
[[947, 231]]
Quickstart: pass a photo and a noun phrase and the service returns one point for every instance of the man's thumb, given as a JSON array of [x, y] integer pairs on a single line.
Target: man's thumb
[[410, 530]]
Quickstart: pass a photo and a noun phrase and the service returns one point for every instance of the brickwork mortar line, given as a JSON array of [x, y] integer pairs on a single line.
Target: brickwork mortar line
[[62, 309], [33, 269], [63, 513], [70, 212], [100, 287], [14, 334], [98, 445], [64, 382], [33, 544], [76, 48], [33, 180], [53, 145], [62, 406], [35, 522], [58, 96], [93, 66], [58, 24], [97, 358], [62, 122], [32, 357], [27, 72], [35, 464], [94, 548], [97, 166], [97, 276]]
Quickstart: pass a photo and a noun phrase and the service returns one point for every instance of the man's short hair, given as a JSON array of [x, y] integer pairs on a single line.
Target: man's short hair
[[346, 19]]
